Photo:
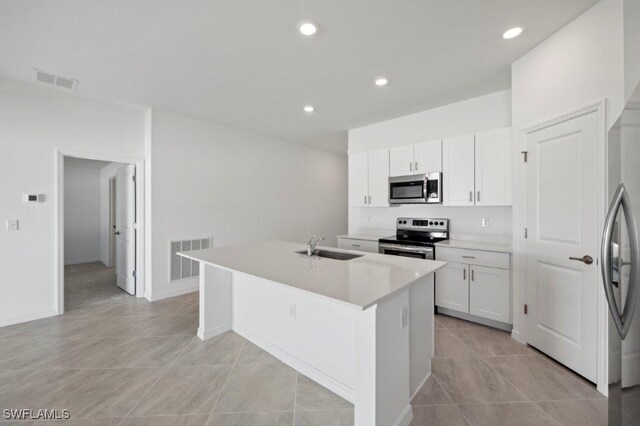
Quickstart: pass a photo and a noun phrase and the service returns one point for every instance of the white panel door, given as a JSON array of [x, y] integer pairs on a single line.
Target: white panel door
[[125, 229], [379, 178], [427, 157], [493, 168], [490, 293], [452, 287], [401, 160], [358, 180], [561, 179], [458, 171]]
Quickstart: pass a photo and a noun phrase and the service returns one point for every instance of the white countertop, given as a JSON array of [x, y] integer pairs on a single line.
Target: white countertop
[[359, 283], [476, 245], [366, 237]]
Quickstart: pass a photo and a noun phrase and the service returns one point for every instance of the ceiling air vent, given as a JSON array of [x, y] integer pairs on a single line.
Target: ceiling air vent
[[56, 80]]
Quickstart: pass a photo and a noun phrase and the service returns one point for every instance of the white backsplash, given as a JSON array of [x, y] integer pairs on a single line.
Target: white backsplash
[[465, 222]]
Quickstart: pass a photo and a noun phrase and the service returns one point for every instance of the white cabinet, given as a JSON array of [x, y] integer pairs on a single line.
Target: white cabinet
[[427, 157], [360, 245], [424, 157], [458, 170], [477, 169], [369, 179], [489, 293], [475, 282], [401, 160], [452, 287], [493, 168]]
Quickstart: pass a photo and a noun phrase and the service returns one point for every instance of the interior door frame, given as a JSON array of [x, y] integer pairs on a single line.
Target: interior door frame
[[112, 221], [141, 236], [520, 220]]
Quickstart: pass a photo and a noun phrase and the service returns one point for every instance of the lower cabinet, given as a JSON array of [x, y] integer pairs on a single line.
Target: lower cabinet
[[452, 287], [480, 290]]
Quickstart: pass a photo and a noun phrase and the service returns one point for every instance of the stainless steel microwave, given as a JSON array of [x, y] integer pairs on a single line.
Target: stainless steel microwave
[[416, 189]]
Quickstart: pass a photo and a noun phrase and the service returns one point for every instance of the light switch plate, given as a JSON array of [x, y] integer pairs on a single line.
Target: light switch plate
[[12, 225]]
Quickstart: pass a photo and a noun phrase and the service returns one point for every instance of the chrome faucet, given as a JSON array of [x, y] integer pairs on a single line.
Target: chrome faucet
[[311, 246]]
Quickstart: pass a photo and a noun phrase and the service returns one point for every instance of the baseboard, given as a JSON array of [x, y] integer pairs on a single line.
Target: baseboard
[[314, 374], [32, 317], [406, 417], [515, 335], [473, 318], [81, 261], [420, 386], [154, 297], [204, 335]]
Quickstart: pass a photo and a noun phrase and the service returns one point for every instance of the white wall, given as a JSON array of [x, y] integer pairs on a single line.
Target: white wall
[[237, 187], [34, 122], [106, 173], [477, 114], [487, 112], [581, 64], [82, 214]]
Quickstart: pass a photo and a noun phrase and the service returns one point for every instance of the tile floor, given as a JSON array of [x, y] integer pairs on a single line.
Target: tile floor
[[131, 362], [90, 283]]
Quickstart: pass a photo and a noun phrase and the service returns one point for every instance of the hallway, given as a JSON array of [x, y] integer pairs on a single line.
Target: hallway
[[87, 284]]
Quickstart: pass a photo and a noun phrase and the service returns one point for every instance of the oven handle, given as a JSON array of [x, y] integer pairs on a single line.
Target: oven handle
[[420, 250]]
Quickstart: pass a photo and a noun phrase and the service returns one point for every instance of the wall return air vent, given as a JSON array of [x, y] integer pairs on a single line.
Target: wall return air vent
[[181, 268], [56, 80]]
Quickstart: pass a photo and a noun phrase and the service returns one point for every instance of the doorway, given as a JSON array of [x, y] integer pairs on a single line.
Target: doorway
[[99, 235]]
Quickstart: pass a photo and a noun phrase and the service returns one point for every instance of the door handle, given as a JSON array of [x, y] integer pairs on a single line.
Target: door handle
[[464, 274], [584, 259], [622, 320], [117, 233]]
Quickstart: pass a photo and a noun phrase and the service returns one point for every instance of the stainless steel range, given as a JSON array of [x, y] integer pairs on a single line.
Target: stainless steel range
[[415, 237]]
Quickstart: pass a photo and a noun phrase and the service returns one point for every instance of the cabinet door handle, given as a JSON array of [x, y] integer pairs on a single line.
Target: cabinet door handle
[[355, 245], [478, 198], [464, 274], [472, 278], [470, 196], [468, 257], [369, 199], [365, 199], [416, 166], [410, 166]]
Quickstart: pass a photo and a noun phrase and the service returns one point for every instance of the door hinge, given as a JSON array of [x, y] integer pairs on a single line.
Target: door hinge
[[525, 156], [134, 178], [526, 309], [526, 233], [135, 274]]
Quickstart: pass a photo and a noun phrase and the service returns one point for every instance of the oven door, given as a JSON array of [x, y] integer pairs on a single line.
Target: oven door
[[408, 189], [406, 251]]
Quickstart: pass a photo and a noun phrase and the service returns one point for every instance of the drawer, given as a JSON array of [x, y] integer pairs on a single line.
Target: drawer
[[473, 257], [360, 245]]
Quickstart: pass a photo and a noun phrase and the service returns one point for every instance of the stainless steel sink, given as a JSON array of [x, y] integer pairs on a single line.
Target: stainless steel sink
[[336, 255]]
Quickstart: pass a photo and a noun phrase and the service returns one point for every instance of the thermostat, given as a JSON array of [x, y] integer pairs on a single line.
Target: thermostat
[[33, 198]]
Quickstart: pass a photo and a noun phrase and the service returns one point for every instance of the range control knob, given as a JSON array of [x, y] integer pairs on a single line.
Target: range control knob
[[430, 222], [442, 223]]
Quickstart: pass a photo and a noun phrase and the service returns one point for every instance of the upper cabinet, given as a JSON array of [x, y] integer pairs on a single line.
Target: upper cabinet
[[458, 168], [477, 169], [369, 179], [493, 168], [425, 157]]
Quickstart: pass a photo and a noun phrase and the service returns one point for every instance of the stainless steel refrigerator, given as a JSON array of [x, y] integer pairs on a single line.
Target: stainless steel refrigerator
[[621, 266]]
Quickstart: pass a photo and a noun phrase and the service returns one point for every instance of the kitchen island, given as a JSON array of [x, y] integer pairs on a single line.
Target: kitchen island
[[362, 327]]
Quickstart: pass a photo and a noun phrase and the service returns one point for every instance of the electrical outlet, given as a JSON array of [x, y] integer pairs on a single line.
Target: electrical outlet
[[405, 317], [12, 225], [485, 222], [292, 311]]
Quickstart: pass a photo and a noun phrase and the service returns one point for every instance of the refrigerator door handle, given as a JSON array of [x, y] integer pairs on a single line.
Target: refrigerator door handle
[[622, 320]]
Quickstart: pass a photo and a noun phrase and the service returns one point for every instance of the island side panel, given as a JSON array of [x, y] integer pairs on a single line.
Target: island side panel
[[215, 301], [382, 364], [421, 332], [312, 334]]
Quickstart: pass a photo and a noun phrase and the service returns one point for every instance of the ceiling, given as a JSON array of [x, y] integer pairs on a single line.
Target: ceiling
[[243, 63]]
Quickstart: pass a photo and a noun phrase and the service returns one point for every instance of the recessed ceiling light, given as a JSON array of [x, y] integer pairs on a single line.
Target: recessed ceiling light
[[381, 81], [309, 108], [307, 27], [512, 33]]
